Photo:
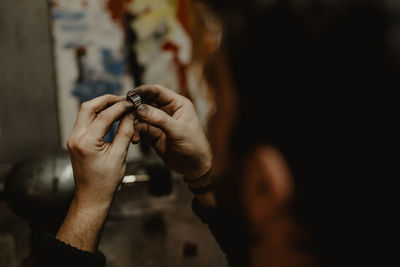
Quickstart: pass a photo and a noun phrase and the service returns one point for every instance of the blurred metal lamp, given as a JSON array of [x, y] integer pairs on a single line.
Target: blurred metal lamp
[[40, 187]]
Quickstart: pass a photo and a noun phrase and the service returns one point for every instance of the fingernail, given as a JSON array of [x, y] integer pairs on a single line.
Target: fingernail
[[134, 90], [135, 139]]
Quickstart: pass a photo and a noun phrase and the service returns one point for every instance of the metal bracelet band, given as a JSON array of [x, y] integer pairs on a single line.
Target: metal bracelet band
[[135, 99], [201, 190]]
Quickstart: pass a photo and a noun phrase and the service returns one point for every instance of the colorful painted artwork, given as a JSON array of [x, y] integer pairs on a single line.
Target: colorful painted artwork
[[110, 46]]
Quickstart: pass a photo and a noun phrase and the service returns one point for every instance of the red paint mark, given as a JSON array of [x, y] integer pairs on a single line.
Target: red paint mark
[[181, 68], [183, 14], [80, 50], [117, 9]]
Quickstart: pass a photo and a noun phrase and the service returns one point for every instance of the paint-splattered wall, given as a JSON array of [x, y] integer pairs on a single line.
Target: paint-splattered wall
[[110, 46]]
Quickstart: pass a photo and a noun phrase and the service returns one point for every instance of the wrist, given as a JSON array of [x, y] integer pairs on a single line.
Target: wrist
[[202, 186], [87, 200], [90, 205], [202, 170], [200, 179]]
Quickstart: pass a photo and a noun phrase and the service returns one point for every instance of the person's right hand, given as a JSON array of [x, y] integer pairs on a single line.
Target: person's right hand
[[98, 167], [170, 124]]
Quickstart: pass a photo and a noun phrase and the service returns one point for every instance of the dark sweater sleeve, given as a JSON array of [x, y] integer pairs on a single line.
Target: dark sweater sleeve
[[227, 230], [54, 252]]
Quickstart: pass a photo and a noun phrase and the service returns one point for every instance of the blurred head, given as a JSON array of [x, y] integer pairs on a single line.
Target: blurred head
[[290, 81]]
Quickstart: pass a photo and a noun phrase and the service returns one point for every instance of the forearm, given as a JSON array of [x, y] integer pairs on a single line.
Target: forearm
[[83, 224]]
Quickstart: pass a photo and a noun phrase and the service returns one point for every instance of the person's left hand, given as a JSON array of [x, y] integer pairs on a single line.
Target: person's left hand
[[171, 125]]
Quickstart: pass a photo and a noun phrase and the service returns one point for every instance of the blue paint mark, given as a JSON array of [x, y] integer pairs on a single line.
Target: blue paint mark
[[89, 89], [109, 137], [67, 15], [74, 28], [71, 45], [112, 65]]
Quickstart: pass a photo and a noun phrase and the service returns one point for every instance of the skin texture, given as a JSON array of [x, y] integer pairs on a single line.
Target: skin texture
[[267, 191], [169, 123], [98, 167]]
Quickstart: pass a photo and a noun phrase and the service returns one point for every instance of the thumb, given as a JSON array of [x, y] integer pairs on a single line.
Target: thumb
[[156, 117], [124, 134]]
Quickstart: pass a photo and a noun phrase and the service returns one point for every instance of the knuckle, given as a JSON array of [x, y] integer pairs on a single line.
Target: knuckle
[[103, 116], [128, 133], [71, 141], [111, 98], [108, 96], [76, 146], [70, 144], [81, 146], [86, 105], [187, 101]]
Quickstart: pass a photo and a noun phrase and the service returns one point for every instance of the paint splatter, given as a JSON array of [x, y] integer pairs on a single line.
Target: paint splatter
[[117, 9], [184, 14], [181, 68]]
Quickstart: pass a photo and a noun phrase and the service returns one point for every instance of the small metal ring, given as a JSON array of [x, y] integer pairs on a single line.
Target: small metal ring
[[135, 99]]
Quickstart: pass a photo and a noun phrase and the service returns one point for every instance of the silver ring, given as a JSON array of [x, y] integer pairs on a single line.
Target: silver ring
[[135, 99]]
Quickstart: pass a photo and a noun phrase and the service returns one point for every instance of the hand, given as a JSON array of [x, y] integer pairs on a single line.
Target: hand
[[170, 124], [99, 166]]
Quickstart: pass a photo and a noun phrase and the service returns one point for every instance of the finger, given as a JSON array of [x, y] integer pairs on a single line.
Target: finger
[[88, 110], [151, 133], [136, 138], [136, 135], [156, 117], [107, 117], [159, 95], [124, 135]]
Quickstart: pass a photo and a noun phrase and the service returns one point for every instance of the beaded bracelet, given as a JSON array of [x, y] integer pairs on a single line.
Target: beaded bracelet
[[205, 176], [201, 190]]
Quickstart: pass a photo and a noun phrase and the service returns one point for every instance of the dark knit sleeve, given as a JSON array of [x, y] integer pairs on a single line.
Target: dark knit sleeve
[[54, 252], [227, 230]]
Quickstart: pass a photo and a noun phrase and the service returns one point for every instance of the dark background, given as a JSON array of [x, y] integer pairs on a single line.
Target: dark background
[[28, 109]]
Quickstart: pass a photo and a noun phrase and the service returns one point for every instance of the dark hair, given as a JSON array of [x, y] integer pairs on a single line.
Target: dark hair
[[302, 75]]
